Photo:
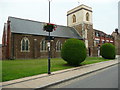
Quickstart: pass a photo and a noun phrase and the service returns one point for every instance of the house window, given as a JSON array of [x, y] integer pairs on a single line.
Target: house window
[[87, 16], [103, 42], [102, 35], [43, 46], [25, 45], [106, 36], [97, 34], [74, 18], [97, 41], [58, 46]]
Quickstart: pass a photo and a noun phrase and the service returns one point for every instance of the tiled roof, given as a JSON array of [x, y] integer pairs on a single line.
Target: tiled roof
[[25, 26]]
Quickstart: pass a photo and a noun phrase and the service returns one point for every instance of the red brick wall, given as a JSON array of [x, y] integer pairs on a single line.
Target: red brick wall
[[100, 37], [4, 52], [8, 48], [117, 42], [16, 42]]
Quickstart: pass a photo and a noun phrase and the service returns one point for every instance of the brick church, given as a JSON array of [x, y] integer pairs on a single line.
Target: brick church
[[24, 39]]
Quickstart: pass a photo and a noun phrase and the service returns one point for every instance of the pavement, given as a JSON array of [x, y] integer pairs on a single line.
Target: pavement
[[106, 78], [45, 80]]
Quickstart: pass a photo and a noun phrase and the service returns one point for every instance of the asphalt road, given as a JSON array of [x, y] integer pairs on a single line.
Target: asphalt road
[[107, 78]]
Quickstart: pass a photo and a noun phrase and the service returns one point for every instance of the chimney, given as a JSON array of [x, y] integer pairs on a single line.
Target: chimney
[[116, 30]]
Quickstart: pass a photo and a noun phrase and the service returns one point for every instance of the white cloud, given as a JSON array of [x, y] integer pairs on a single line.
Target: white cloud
[[103, 1], [23, 1]]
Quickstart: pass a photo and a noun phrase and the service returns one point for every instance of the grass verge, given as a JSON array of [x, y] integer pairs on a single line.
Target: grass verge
[[14, 69]]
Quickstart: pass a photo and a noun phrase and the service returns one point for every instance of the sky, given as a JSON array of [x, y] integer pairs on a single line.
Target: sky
[[105, 12], [119, 17]]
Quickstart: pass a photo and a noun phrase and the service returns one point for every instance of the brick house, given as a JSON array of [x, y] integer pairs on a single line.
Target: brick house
[[101, 38], [116, 36], [24, 38]]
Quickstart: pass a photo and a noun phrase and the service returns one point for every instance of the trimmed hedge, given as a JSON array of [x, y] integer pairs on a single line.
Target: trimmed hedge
[[107, 51], [73, 51]]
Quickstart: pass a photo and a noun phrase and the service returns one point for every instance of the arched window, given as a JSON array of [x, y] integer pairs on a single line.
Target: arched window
[[25, 45], [87, 16], [43, 45], [74, 18], [58, 46]]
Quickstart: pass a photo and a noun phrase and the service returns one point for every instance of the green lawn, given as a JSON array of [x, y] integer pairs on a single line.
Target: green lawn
[[14, 69]]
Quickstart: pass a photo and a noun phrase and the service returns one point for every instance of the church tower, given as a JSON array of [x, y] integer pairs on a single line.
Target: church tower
[[81, 19]]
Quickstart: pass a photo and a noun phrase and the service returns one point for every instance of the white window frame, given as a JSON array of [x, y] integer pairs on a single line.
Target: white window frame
[[25, 39], [41, 45], [58, 46]]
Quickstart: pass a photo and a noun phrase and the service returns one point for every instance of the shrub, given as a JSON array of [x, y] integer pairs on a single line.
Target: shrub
[[107, 51], [74, 51]]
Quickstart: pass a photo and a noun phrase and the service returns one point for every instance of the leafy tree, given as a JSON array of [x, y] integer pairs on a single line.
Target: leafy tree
[[107, 51], [74, 51]]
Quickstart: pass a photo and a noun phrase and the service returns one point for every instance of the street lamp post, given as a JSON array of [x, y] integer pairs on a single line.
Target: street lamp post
[[49, 43]]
